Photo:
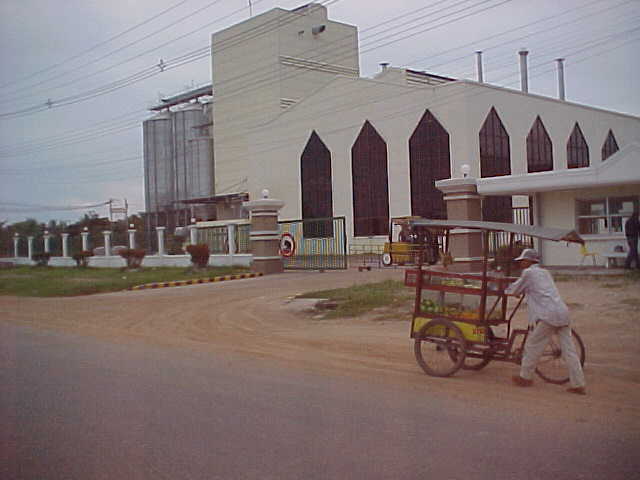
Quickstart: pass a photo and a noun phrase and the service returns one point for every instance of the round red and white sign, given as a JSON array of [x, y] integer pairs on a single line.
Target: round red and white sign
[[287, 245]]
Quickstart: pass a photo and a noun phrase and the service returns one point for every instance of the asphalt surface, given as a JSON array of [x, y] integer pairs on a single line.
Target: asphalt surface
[[74, 407]]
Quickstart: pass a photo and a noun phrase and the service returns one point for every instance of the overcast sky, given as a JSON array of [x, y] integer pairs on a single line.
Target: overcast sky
[[73, 55]]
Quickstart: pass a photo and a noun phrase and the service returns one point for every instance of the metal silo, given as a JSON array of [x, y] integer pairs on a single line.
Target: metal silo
[[192, 153], [159, 169]]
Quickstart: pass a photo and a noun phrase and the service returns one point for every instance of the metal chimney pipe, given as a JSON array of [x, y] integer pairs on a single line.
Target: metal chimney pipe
[[524, 76], [560, 78], [479, 66]]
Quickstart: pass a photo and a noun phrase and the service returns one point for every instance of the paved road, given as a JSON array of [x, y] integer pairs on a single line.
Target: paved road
[[73, 407]]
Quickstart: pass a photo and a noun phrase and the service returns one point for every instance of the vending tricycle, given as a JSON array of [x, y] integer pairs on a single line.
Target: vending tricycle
[[463, 320]]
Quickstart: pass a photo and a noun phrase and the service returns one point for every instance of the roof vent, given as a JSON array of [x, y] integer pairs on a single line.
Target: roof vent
[[524, 75]]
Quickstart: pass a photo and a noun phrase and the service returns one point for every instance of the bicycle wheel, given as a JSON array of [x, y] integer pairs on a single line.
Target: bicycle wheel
[[551, 367], [440, 348], [477, 362]]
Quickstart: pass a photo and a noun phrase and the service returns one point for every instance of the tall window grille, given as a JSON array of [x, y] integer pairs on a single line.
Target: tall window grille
[[429, 161], [370, 183], [539, 148], [315, 179], [610, 146], [495, 161], [577, 149]]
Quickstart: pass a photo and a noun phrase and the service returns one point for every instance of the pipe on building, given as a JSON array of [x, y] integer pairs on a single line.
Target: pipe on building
[[524, 75], [560, 62], [479, 66]]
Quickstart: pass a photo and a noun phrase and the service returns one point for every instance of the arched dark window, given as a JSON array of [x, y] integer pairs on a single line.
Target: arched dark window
[[610, 146], [539, 148], [315, 179], [577, 149], [428, 161], [495, 161], [370, 183]]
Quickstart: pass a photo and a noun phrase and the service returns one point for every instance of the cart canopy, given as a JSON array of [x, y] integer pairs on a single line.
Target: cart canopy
[[556, 234]]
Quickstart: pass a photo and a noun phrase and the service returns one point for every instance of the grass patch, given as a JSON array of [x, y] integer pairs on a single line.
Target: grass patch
[[62, 282], [360, 299]]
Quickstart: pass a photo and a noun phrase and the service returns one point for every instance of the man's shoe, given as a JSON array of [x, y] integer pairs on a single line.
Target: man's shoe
[[521, 382], [577, 390]]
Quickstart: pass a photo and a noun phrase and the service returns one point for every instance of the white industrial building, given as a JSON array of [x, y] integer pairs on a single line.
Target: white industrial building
[[292, 114]]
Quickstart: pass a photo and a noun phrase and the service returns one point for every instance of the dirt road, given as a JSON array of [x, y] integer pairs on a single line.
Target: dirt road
[[254, 318]]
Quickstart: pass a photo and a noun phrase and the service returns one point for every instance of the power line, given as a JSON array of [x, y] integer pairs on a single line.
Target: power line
[[82, 66], [96, 46]]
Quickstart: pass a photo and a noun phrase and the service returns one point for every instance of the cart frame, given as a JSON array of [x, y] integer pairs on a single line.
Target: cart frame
[[470, 343]]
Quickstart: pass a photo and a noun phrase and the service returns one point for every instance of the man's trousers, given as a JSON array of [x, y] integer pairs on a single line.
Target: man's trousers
[[536, 343]]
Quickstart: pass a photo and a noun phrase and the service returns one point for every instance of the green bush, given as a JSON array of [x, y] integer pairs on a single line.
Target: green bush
[[82, 258], [133, 257], [199, 254], [41, 259]]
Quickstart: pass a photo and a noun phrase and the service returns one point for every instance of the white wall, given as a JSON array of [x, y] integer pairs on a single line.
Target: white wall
[[558, 210], [256, 63], [338, 111], [97, 261]]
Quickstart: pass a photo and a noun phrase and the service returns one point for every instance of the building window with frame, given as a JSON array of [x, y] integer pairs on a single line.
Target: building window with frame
[[370, 183], [429, 160], [495, 161], [604, 216], [316, 186], [610, 146], [539, 148], [577, 149]]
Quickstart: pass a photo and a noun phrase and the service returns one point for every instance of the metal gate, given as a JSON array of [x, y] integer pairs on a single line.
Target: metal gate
[[317, 244]]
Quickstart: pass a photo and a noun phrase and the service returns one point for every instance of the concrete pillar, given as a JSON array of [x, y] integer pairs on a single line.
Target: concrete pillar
[[47, 239], [265, 234], [132, 238], [107, 243], [160, 232], [16, 239], [85, 240], [231, 238], [30, 248], [463, 203], [193, 234], [65, 244]]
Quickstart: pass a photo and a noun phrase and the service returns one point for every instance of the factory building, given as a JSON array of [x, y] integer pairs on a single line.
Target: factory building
[[292, 114]]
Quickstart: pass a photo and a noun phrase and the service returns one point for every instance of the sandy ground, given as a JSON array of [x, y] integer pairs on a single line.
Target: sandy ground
[[257, 318]]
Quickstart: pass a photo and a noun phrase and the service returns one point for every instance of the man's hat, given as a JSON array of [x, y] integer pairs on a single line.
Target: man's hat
[[528, 254]]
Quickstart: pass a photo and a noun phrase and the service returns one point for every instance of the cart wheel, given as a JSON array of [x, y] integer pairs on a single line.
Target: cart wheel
[[440, 348], [386, 259], [551, 366], [477, 361]]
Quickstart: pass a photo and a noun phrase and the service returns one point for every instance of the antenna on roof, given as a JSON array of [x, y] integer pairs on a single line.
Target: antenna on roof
[[250, 9]]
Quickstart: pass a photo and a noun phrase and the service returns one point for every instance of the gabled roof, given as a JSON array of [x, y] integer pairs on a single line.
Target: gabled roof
[[621, 168]]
